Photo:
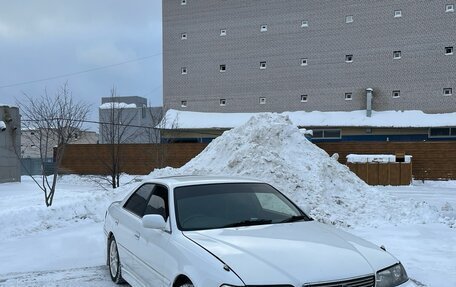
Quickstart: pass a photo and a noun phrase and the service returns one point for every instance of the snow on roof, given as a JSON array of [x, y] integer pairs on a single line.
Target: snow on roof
[[115, 105], [175, 119], [375, 158], [2, 125], [6, 105]]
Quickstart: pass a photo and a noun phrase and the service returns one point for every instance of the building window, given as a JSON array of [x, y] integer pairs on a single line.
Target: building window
[[262, 65], [349, 19], [304, 23], [183, 2], [303, 61], [223, 32], [303, 98], [222, 68], [448, 50], [184, 36], [222, 102], [449, 8], [184, 70], [442, 132], [348, 96], [262, 100], [326, 134], [183, 104], [397, 13], [348, 58], [397, 55], [447, 91], [263, 28], [396, 94]]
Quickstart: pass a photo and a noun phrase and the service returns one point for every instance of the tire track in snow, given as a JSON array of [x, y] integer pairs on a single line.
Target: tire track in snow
[[79, 277]]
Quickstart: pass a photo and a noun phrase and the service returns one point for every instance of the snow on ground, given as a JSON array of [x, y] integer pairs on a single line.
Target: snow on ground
[[71, 253], [64, 245]]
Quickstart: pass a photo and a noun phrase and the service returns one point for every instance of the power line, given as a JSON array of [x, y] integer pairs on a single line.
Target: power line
[[128, 125], [79, 72]]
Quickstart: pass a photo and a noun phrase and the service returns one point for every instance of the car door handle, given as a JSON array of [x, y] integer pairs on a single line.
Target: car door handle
[[116, 222], [137, 236]]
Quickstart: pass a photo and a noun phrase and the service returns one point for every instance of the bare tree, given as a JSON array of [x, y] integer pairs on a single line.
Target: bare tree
[[115, 129], [55, 120], [156, 116]]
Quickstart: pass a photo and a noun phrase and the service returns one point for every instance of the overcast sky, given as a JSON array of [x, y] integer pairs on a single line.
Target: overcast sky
[[50, 38]]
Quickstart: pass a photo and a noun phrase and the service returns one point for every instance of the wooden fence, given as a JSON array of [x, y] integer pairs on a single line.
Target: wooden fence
[[133, 158], [392, 173], [431, 160]]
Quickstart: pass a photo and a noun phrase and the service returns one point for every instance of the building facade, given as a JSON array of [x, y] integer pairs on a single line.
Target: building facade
[[10, 142], [128, 120], [292, 55]]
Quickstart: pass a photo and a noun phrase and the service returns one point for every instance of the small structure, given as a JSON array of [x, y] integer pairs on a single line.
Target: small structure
[[380, 126], [382, 169], [128, 120], [10, 143]]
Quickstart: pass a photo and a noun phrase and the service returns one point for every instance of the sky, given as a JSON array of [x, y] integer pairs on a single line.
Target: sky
[[92, 45]]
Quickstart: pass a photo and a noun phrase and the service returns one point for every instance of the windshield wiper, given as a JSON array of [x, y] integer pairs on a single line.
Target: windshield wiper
[[249, 222], [295, 218]]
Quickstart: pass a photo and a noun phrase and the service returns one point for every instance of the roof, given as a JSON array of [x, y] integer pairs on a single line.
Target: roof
[[175, 119], [184, 180]]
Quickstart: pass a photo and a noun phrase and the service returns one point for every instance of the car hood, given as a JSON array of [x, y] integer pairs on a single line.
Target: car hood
[[292, 253]]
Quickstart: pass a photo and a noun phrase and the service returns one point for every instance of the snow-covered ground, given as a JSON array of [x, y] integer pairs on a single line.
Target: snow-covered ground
[[64, 246]]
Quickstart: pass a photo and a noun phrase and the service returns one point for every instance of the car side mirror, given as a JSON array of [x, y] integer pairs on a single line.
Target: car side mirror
[[153, 221]]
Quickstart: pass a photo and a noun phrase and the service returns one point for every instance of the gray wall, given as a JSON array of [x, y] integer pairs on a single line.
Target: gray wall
[[10, 141], [421, 34], [137, 122]]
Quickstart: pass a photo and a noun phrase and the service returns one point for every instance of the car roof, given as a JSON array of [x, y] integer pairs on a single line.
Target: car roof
[[183, 180]]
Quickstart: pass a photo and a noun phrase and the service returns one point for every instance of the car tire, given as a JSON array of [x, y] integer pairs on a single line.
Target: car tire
[[188, 284], [114, 262]]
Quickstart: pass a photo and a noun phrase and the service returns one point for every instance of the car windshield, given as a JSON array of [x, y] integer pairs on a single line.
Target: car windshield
[[212, 206]]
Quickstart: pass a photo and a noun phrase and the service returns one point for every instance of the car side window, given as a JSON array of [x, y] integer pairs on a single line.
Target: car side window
[[138, 200], [158, 202]]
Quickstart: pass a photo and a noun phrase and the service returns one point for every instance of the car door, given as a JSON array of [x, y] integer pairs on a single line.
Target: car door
[[130, 234], [154, 243]]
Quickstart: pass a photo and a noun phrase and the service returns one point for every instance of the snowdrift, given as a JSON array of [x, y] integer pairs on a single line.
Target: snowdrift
[[269, 147]]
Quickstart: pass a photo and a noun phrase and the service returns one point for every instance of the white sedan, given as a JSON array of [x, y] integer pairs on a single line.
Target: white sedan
[[223, 232]]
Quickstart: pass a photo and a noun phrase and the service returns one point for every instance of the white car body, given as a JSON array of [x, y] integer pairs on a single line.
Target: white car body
[[286, 254]]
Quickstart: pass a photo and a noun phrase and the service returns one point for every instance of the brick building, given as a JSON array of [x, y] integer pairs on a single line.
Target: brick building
[[304, 55]]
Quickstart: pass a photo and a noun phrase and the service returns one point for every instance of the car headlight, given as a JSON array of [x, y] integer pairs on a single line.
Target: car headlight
[[391, 276]]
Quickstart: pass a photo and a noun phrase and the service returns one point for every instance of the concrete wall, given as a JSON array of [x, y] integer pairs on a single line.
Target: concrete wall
[[421, 34], [10, 141]]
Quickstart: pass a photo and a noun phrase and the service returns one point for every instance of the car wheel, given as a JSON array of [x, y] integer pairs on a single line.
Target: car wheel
[[187, 285], [114, 262]]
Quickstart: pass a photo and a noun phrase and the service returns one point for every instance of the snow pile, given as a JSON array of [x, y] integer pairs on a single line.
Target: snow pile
[[115, 105], [271, 148], [2, 125], [21, 216]]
